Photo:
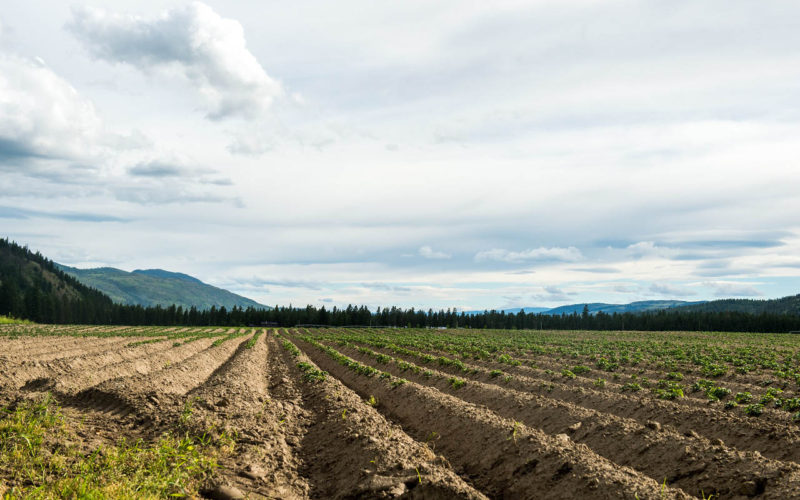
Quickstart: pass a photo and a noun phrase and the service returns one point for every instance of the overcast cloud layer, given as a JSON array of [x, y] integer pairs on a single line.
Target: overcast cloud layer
[[426, 154]]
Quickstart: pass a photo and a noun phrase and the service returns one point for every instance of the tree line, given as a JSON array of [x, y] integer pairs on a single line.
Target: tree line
[[32, 287]]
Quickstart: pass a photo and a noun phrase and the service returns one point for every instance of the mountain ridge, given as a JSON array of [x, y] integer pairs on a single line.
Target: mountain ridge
[[596, 307], [151, 287]]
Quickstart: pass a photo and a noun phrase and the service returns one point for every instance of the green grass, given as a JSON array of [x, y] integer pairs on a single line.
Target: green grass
[[9, 320], [39, 459]]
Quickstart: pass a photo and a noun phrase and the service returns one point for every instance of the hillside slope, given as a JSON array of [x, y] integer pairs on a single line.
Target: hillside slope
[[152, 287], [784, 305], [32, 287], [633, 307]]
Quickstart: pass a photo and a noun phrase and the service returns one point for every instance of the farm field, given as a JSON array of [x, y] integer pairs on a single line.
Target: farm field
[[397, 413]]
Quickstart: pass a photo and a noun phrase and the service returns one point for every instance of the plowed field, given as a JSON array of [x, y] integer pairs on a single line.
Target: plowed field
[[397, 413]]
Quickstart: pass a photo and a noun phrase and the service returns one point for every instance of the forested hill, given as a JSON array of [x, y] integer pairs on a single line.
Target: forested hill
[[153, 287], [32, 287], [784, 305]]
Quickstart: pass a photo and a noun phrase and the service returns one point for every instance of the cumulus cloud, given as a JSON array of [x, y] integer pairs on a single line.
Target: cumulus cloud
[[670, 290], [155, 169], [553, 294], [569, 254], [193, 41], [42, 115], [430, 253], [733, 289]]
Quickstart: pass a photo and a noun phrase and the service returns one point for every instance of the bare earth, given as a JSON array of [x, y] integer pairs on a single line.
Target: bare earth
[[357, 436]]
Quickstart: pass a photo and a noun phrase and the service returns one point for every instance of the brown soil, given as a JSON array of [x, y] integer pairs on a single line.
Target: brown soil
[[514, 461], [351, 451], [528, 437], [691, 463], [770, 435]]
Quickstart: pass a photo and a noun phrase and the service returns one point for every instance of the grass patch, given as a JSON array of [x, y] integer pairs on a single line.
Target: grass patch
[[10, 320], [39, 459]]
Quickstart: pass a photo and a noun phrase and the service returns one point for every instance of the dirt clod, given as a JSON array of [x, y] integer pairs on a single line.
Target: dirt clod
[[653, 425], [225, 492]]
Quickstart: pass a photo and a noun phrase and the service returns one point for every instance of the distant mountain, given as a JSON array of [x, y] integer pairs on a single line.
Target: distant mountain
[[633, 307], [595, 307], [150, 287], [784, 305]]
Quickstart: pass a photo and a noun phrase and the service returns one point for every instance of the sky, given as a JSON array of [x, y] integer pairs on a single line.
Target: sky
[[419, 153]]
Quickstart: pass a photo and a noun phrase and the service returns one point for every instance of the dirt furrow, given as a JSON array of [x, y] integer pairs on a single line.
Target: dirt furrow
[[25, 348], [75, 347], [13, 346], [351, 451], [503, 457], [236, 396], [687, 462], [771, 437], [159, 386], [141, 366], [39, 375], [77, 351]]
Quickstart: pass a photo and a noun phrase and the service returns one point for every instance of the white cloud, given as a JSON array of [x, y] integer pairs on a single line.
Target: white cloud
[[569, 254], [733, 289], [430, 253], [670, 290], [193, 41], [42, 115]]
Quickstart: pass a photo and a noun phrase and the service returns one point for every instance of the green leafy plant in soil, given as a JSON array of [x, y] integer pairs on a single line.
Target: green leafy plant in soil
[[252, 342], [310, 373], [39, 460]]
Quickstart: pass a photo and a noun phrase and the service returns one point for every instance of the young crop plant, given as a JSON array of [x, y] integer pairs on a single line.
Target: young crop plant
[[293, 350], [770, 396], [743, 397], [600, 382], [457, 383], [310, 373], [252, 342], [702, 385], [631, 387], [514, 430], [579, 369], [714, 371], [188, 410], [372, 401], [677, 376], [507, 360], [754, 410], [667, 389], [790, 404], [717, 393], [495, 373], [605, 365], [567, 374]]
